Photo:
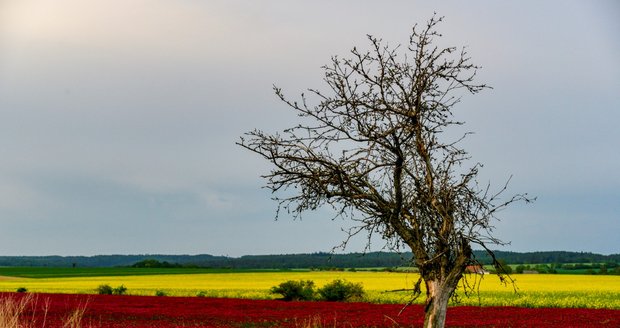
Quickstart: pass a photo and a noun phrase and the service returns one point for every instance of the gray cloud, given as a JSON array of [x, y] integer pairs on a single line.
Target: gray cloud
[[118, 118]]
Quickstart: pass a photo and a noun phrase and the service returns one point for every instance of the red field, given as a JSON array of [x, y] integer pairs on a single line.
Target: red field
[[151, 311]]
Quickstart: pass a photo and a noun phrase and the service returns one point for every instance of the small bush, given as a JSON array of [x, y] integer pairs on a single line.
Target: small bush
[[22, 290], [201, 294], [120, 290], [342, 290], [520, 268], [302, 290], [160, 293], [104, 290]]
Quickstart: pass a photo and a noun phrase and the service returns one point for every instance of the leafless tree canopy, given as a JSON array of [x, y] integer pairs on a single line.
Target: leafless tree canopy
[[374, 149]]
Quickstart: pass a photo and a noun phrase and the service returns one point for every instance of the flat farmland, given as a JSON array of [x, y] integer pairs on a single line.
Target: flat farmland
[[533, 291], [51, 310]]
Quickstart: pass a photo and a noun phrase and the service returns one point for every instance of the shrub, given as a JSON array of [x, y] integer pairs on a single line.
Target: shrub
[[22, 289], [302, 290], [120, 290], [104, 290], [342, 290], [201, 294], [160, 293], [503, 267], [520, 268]]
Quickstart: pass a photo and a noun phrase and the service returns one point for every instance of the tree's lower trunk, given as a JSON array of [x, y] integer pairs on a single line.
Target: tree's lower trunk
[[437, 297]]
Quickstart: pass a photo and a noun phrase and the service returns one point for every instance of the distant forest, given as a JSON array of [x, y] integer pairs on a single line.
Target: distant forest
[[293, 261]]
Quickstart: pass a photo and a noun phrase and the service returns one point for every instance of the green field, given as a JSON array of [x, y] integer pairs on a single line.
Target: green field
[[43, 272], [534, 290]]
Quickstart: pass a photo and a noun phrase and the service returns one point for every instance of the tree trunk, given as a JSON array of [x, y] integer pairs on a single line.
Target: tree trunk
[[437, 297]]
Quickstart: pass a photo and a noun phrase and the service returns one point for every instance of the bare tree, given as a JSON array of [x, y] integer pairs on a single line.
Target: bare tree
[[373, 148]]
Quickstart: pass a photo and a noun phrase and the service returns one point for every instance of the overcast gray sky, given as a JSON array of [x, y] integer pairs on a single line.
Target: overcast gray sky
[[118, 118]]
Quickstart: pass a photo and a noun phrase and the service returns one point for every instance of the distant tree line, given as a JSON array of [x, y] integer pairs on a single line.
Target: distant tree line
[[151, 263], [100, 261], [549, 257], [320, 260]]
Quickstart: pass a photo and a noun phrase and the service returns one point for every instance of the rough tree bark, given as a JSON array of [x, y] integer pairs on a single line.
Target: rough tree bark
[[373, 148]]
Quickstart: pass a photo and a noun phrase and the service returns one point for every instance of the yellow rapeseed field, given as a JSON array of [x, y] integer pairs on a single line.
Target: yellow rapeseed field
[[533, 290]]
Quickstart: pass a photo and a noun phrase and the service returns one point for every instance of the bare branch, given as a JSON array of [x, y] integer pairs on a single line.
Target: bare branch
[[373, 152]]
